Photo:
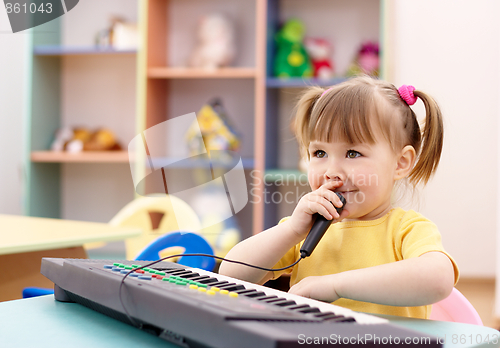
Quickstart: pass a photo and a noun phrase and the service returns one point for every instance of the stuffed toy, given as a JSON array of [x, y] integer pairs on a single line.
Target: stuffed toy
[[367, 60], [81, 139], [319, 51], [216, 132], [120, 34], [215, 47], [292, 59]]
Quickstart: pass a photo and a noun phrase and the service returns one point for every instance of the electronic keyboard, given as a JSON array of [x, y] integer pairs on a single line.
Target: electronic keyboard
[[196, 308]]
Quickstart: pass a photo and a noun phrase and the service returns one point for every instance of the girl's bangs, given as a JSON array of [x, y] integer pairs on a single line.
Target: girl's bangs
[[344, 118]]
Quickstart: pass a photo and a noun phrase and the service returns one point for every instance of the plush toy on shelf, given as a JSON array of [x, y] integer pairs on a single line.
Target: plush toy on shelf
[[216, 131], [292, 59], [367, 60], [215, 47], [319, 51], [120, 35], [82, 139]]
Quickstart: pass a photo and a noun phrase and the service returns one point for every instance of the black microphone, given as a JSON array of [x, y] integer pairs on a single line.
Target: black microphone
[[318, 229]]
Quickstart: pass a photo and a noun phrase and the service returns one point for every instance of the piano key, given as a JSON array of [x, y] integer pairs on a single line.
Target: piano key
[[245, 291], [256, 294], [266, 298], [208, 281], [180, 272], [165, 269], [310, 310], [231, 287], [286, 303], [277, 300], [190, 276], [293, 308], [198, 279], [323, 314]]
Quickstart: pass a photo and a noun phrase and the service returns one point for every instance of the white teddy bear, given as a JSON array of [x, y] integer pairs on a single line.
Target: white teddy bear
[[215, 46]]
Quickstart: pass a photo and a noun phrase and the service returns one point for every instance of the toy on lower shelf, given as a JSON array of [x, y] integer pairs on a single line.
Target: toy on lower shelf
[[82, 139]]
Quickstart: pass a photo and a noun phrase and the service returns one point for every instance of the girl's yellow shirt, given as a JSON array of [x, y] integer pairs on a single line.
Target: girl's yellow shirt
[[350, 245]]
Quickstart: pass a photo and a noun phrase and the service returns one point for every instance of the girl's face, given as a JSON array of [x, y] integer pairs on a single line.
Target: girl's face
[[366, 174]]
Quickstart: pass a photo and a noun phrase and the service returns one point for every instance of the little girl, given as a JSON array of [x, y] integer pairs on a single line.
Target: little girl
[[361, 138]]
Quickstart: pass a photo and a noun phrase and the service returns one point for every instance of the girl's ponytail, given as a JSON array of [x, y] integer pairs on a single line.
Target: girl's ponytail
[[432, 141]]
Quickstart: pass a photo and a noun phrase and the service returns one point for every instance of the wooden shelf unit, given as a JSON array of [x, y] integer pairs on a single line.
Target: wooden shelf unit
[[158, 79], [160, 83]]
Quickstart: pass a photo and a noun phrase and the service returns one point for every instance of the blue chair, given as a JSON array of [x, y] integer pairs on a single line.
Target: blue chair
[[191, 242], [35, 291]]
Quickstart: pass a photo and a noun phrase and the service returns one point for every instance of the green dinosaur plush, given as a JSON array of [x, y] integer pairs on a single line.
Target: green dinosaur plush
[[291, 56]]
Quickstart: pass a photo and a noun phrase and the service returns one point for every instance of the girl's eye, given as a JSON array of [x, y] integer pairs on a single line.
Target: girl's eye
[[352, 154], [319, 153]]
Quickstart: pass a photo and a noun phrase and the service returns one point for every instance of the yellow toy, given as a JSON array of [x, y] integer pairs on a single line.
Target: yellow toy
[[216, 133], [174, 213]]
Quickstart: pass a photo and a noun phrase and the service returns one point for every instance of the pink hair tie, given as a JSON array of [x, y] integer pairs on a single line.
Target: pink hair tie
[[329, 89], [406, 92]]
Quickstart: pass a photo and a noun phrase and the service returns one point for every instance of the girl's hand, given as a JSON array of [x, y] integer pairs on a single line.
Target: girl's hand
[[320, 288], [322, 201]]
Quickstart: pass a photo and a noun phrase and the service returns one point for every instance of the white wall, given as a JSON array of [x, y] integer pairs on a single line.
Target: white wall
[[12, 100], [450, 49]]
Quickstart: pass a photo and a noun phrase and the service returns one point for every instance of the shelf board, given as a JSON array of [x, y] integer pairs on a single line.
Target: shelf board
[[183, 163], [196, 73], [288, 176], [81, 157], [299, 82], [58, 50]]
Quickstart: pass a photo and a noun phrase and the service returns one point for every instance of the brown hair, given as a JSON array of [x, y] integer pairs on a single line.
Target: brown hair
[[351, 110]]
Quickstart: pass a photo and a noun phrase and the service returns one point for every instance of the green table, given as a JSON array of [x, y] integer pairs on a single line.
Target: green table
[[43, 322], [25, 240]]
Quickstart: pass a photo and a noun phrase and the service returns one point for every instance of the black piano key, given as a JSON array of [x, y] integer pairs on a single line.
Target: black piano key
[[190, 276], [349, 320], [266, 298], [218, 284], [166, 269], [277, 300], [310, 310], [208, 281], [245, 291], [323, 314], [293, 308], [285, 303], [198, 279], [256, 294], [332, 317], [231, 287], [179, 272]]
